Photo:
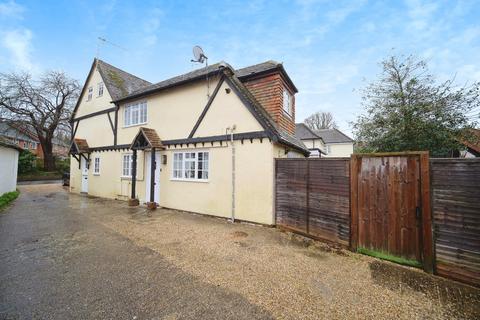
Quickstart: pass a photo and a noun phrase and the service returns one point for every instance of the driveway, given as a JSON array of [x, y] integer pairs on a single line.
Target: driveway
[[65, 256]]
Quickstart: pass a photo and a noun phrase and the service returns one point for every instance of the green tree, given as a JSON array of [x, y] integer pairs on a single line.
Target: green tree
[[406, 110]]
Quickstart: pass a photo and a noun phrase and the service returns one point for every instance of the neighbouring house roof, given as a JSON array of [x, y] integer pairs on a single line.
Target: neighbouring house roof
[[303, 132], [79, 146], [13, 131], [146, 138], [333, 136], [7, 144], [473, 145]]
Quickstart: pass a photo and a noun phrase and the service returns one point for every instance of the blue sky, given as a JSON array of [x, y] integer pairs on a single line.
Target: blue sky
[[329, 48]]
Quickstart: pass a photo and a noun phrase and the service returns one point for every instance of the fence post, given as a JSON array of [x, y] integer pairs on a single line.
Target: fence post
[[354, 163], [426, 213], [308, 196]]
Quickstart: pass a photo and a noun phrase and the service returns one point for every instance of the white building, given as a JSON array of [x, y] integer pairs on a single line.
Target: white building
[[8, 166], [325, 142]]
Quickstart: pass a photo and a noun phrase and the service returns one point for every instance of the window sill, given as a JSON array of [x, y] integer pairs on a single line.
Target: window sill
[[135, 125], [96, 174], [190, 180]]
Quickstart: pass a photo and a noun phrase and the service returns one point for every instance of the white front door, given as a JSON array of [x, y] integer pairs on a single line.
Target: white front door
[[148, 170], [84, 174]]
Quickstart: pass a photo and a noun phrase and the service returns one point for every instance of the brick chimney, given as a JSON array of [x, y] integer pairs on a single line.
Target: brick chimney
[[274, 90]]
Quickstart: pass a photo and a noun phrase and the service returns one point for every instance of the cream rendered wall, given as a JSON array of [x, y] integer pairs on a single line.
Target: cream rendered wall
[[96, 130], [8, 169], [109, 183], [340, 149], [172, 113], [227, 109], [97, 103], [253, 183]]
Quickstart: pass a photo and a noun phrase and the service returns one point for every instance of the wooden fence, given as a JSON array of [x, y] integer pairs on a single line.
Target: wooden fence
[[313, 197], [456, 218], [385, 202]]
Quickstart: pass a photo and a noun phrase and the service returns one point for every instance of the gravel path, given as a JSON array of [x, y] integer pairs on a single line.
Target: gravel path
[[251, 271]]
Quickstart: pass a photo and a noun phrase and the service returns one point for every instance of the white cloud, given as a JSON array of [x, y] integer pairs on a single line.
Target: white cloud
[[421, 13], [11, 9], [151, 27], [18, 43]]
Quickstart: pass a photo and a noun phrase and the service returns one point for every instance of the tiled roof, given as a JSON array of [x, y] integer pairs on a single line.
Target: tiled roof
[[303, 132], [81, 145], [264, 67], [151, 137], [118, 82], [8, 144], [175, 81], [333, 136]]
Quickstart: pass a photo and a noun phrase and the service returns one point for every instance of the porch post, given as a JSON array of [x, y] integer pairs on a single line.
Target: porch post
[[134, 174], [152, 176]]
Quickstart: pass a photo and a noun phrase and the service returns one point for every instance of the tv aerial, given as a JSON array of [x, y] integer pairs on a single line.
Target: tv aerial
[[200, 57]]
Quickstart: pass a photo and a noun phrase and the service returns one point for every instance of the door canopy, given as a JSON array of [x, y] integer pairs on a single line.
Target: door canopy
[[79, 146], [147, 138]]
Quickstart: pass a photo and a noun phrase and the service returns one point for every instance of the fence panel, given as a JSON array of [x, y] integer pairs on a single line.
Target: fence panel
[[313, 197], [329, 199], [291, 194], [456, 218]]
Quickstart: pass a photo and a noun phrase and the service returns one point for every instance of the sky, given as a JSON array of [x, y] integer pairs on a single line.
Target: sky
[[330, 49]]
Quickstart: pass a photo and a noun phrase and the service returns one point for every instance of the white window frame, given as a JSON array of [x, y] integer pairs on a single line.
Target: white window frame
[[191, 157], [100, 89], [89, 93], [287, 103], [141, 110], [127, 172], [96, 166], [328, 149]]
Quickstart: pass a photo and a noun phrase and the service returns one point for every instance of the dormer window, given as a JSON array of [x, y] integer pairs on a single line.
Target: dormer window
[[100, 89], [90, 93], [287, 102]]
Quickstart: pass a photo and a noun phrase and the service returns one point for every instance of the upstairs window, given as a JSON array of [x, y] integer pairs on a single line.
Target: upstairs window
[[90, 93], [190, 166], [135, 114], [100, 89], [287, 102]]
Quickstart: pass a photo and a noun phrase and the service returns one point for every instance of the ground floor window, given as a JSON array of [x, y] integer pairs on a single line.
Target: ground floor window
[[96, 165], [191, 165], [127, 165]]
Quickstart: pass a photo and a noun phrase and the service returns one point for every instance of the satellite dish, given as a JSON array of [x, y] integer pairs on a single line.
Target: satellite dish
[[198, 54]]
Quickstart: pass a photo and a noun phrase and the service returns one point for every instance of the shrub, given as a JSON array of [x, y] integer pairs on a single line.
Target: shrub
[[26, 162], [7, 198]]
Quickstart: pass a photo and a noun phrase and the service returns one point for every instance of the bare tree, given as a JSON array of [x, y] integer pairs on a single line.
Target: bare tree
[[320, 120], [43, 106]]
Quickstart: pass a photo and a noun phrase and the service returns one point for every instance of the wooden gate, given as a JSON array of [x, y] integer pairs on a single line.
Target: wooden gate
[[391, 215]]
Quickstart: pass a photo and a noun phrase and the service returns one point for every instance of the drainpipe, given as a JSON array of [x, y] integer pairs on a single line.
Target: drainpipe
[[232, 129]]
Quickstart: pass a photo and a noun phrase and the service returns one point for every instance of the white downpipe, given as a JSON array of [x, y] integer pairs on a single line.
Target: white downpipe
[[232, 130]]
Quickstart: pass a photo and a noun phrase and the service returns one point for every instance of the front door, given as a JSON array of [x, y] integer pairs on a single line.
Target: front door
[[84, 174], [148, 158]]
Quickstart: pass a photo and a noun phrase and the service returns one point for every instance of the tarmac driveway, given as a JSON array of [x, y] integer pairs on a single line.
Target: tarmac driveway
[[65, 256]]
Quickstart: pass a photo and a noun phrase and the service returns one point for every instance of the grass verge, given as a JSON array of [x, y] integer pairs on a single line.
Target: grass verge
[[389, 257], [7, 198]]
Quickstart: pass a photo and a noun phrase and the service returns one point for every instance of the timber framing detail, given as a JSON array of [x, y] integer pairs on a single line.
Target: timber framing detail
[[94, 114]]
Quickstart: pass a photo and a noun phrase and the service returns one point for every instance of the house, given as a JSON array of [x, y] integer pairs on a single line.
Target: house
[[20, 138], [26, 139], [8, 165], [204, 141], [472, 147], [312, 141], [324, 142]]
